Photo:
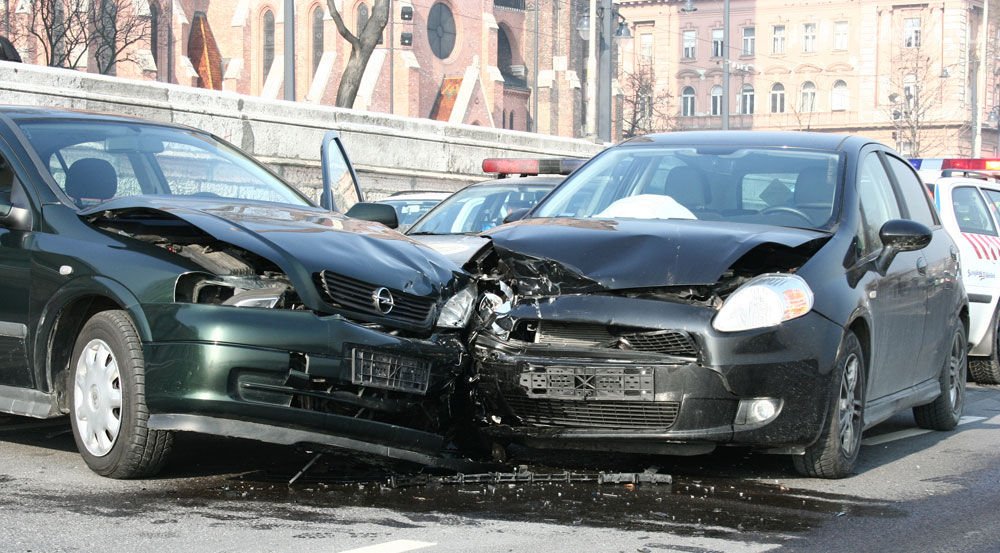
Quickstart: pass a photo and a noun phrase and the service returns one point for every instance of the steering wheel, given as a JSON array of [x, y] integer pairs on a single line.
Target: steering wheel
[[787, 209]]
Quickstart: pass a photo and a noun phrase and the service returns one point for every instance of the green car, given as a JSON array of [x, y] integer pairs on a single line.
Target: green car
[[157, 279]]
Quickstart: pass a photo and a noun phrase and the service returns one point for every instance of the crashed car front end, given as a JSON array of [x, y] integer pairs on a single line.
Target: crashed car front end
[[596, 352]]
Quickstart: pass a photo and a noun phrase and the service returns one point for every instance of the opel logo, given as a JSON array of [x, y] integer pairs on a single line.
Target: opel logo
[[382, 300]]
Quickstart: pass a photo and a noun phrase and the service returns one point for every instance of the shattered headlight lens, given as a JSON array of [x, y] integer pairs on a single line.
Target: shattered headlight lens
[[264, 297], [456, 311], [763, 301]]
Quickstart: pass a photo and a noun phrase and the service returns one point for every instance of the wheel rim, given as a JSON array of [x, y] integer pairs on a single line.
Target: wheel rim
[[956, 372], [850, 405], [97, 398]]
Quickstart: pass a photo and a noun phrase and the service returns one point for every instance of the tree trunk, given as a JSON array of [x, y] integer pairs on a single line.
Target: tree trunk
[[361, 48]]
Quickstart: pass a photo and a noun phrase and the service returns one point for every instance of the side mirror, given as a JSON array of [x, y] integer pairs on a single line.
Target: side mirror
[[516, 215], [901, 235], [377, 213]]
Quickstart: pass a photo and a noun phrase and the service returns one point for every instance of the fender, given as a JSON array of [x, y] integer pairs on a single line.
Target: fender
[[72, 290]]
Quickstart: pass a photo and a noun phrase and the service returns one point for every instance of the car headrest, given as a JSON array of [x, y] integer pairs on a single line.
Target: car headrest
[[688, 187], [814, 186], [91, 179]]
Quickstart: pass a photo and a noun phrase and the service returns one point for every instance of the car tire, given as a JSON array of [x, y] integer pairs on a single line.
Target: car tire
[[107, 401], [945, 411], [835, 452], [987, 370]]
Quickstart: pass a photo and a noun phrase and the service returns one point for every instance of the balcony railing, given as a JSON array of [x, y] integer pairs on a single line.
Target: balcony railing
[[511, 4]]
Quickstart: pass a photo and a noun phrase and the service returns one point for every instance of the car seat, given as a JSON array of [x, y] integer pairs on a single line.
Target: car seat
[[90, 181]]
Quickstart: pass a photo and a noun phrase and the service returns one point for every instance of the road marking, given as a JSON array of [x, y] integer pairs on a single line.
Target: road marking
[[398, 546], [910, 432]]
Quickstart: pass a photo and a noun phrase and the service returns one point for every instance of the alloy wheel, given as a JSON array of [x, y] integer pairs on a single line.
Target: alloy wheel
[[956, 372], [850, 405]]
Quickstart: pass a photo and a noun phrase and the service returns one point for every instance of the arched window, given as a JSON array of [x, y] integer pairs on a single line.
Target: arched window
[[318, 37], [716, 100], [154, 34], [839, 99], [510, 122], [687, 101], [746, 100], [778, 98], [505, 60], [362, 19], [808, 102], [504, 116], [267, 58]]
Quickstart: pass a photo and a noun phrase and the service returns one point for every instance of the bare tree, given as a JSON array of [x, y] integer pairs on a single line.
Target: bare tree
[[362, 46], [59, 28], [644, 108], [115, 29]]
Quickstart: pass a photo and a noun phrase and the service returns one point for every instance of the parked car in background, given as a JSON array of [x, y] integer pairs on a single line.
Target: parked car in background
[[453, 227], [158, 279], [968, 203], [412, 205], [679, 292]]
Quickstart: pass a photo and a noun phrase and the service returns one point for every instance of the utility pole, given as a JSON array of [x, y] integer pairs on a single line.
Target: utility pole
[[725, 65], [592, 72], [604, 80], [979, 90], [289, 53]]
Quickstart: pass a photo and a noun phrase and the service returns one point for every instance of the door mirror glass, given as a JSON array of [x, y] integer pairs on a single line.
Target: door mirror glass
[[378, 213], [340, 183]]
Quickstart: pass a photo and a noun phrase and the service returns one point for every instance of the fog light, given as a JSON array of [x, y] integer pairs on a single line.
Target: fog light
[[757, 411]]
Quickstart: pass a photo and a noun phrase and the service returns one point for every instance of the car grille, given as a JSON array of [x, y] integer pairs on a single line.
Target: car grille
[[389, 371], [594, 414], [573, 335], [356, 295]]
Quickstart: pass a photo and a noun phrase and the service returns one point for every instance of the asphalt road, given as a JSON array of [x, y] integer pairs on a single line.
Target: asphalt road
[[914, 491]]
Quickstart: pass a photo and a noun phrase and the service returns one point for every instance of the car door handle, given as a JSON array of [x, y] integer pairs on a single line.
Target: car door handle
[[922, 266]]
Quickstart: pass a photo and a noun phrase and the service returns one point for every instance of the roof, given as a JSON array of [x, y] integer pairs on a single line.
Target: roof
[[794, 139]]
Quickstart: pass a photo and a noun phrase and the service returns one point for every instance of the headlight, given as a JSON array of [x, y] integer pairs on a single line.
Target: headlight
[[763, 301], [262, 297], [456, 311]]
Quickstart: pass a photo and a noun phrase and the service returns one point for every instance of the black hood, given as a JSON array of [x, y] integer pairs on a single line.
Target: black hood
[[303, 240], [584, 254]]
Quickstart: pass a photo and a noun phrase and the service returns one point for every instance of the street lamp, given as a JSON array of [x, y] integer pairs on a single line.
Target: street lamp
[[688, 8], [607, 16]]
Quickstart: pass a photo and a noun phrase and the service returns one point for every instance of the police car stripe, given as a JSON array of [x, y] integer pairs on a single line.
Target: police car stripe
[[975, 247]]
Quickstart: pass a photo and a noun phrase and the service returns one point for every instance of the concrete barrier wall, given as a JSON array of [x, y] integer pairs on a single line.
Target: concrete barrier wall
[[391, 153]]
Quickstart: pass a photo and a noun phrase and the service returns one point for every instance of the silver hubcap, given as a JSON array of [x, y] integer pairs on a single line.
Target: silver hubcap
[[97, 398], [956, 372], [850, 405]]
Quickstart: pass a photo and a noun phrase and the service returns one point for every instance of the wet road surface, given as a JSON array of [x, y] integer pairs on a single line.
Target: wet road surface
[[913, 492]]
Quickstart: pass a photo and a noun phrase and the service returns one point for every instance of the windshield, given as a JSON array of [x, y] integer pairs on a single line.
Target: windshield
[[774, 186], [408, 211], [479, 208], [93, 162]]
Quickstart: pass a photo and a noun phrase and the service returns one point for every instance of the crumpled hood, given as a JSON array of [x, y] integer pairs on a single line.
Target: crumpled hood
[[304, 241], [586, 254]]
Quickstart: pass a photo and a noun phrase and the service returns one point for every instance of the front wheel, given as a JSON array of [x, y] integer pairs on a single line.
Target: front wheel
[[107, 394], [987, 370], [945, 411], [834, 454]]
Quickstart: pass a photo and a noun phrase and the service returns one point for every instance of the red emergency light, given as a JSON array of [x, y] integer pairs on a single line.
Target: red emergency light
[[512, 166], [971, 164]]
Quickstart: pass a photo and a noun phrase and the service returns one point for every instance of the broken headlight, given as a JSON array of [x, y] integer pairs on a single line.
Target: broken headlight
[[236, 291], [763, 301], [456, 311], [264, 297]]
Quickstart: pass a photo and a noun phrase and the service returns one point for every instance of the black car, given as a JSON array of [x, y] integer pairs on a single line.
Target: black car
[[156, 279], [781, 291]]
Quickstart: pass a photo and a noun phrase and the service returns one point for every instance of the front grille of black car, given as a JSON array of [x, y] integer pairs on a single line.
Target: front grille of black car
[[355, 295], [575, 335], [594, 414]]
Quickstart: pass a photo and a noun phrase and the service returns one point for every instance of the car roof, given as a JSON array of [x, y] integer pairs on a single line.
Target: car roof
[[539, 180], [965, 181], [795, 139], [415, 196], [20, 113]]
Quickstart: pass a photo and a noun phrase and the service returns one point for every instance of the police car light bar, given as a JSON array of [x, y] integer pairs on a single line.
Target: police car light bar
[[973, 164], [504, 167]]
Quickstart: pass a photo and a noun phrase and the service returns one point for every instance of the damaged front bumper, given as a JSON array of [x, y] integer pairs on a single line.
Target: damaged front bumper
[[614, 373], [295, 377]]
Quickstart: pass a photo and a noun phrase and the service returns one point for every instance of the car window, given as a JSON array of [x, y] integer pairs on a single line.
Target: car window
[[61, 161], [6, 181], [993, 197], [878, 203], [971, 212], [914, 195], [478, 208]]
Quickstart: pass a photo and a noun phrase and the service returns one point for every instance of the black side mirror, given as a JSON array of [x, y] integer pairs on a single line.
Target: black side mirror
[[516, 215], [377, 213], [901, 235]]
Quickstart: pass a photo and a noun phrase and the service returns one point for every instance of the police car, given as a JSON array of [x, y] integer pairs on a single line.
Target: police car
[[967, 195]]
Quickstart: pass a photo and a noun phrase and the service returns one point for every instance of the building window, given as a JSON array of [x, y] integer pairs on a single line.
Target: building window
[[808, 102], [317, 37], [268, 43], [778, 98], [911, 32], [839, 99], [690, 39], [840, 36], [746, 100], [510, 121], [362, 19], [749, 40], [154, 34], [716, 100], [778, 42], [441, 30], [687, 102], [717, 43], [809, 37], [646, 48]]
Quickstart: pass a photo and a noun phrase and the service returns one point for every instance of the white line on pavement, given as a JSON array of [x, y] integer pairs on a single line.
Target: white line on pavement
[[910, 432], [398, 546]]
